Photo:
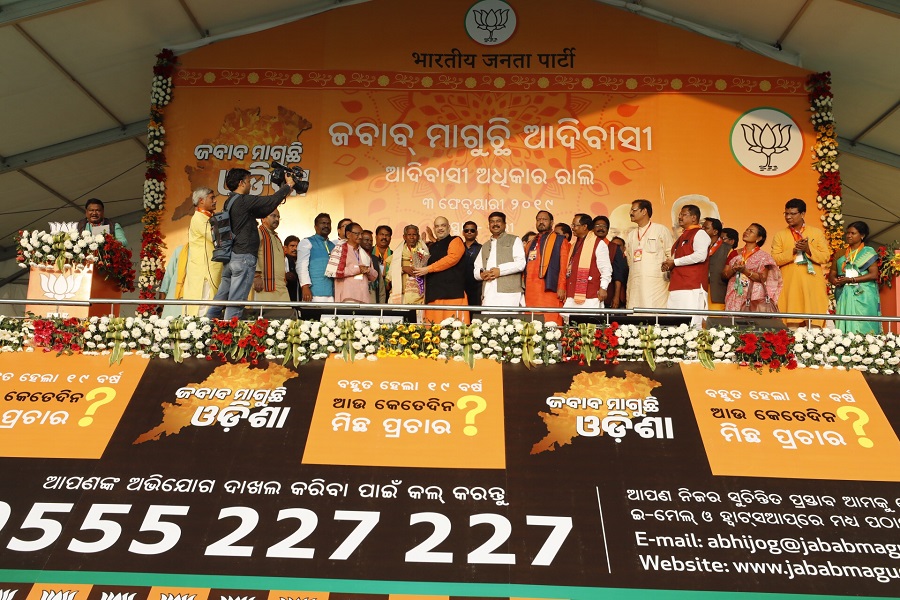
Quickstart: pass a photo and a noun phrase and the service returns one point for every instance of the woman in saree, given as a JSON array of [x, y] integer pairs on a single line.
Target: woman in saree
[[752, 273], [854, 276]]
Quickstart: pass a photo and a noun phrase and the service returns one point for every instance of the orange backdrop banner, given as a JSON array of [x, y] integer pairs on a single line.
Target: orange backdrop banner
[[447, 114]]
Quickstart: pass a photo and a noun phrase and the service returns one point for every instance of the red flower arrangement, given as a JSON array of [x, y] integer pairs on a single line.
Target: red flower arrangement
[[240, 341], [114, 260], [63, 336], [587, 342], [771, 349]]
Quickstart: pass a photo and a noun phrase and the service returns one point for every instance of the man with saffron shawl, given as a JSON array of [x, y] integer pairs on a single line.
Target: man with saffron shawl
[[588, 270], [545, 268], [445, 281], [269, 282], [351, 267], [689, 265], [801, 251]]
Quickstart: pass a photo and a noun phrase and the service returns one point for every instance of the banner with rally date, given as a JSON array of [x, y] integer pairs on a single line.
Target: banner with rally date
[[473, 107], [401, 478]]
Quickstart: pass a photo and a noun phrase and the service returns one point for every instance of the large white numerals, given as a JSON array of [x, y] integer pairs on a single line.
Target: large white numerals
[[423, 552], [561, 528], [285, 548], [367, 521], [249, 519], [35, 520], [5, 511], [111, 530], [171, 532], [484, 554]]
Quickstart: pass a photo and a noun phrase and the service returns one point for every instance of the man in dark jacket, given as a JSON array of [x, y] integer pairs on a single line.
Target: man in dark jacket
[[237, 276]]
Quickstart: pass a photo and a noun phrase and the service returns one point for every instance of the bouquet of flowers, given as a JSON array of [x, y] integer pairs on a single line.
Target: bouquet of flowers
[[888, 263], [56, 248]]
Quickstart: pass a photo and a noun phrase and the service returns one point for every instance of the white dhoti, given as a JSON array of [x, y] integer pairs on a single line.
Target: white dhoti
[[690, 300]]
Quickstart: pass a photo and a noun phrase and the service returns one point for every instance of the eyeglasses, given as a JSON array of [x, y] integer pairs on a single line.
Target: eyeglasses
[[470, 230]]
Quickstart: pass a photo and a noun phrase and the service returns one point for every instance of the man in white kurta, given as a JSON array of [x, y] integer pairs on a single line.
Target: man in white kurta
[[499, 265], [646, 249], [202, 277]]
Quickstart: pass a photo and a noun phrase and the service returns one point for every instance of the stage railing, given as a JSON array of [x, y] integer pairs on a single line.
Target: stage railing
[[608, 314]]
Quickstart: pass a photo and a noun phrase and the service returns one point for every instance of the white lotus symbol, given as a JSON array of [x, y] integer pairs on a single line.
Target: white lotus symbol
[[767, 140], [60, 287], [63, 227], [491, 21]]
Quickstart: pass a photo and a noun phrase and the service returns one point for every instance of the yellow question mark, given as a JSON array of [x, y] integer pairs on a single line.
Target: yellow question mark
[[108, 395], [480, 405], [844, 413]]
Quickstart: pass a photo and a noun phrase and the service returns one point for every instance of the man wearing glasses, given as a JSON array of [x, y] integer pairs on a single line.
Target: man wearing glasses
[[473, 286], [588, 272], [646, 249], [202, 275], [800, 251]]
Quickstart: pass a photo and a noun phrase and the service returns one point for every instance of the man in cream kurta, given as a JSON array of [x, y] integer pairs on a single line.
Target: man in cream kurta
[[646, 249], [499, 265], [801, 251], [202, 277]]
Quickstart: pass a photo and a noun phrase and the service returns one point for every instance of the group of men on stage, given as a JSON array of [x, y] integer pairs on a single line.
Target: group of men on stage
[[649, 268]]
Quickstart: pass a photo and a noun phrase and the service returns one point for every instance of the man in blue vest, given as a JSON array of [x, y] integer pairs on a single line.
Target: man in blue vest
[[312, 258]]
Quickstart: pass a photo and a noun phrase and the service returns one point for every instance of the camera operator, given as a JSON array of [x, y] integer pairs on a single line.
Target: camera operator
[[237, 276]]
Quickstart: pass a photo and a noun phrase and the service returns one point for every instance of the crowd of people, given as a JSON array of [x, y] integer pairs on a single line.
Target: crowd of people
[[700, 266]]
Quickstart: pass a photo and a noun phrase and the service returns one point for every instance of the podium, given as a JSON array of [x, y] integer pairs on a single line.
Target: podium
[[74, 282], [890, 305]]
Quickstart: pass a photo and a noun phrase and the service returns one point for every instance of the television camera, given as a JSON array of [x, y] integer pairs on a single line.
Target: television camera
[[278, 170]]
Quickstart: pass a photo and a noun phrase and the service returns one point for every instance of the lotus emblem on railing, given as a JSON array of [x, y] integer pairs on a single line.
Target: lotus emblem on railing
[[767, 140], [491, 20], [58, 286]]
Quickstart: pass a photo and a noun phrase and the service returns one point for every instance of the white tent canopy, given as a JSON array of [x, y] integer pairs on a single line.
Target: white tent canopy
[[76, 85]]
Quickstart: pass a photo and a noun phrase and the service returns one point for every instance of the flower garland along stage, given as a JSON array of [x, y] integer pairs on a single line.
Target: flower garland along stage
[[512, 341], [153, 265], [61, 249], [825, 155]]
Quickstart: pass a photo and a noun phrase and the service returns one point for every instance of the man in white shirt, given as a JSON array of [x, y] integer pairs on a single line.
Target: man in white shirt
[[499, 265], [689, 265]]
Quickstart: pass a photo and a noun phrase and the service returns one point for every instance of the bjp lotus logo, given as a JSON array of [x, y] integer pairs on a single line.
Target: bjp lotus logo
[[59, 286], [492, 17], [764, 143]]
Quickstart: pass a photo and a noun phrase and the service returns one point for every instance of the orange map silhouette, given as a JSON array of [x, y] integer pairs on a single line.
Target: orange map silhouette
[[177, 414], [561, 422]]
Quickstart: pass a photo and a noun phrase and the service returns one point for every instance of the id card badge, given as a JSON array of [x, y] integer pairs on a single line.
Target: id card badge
[[532, 255], [359, 277], [800, 258], [851, 272], [637, 255]]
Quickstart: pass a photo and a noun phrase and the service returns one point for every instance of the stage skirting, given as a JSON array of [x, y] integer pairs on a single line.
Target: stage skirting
[[398, 478]]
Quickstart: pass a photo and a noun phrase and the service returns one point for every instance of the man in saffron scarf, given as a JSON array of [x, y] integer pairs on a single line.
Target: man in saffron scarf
[[588, 270], [545, 267], [445, 280], [406, 286], [801, 251], [202, 274], [351, 267], [689, 265], [269, 282]]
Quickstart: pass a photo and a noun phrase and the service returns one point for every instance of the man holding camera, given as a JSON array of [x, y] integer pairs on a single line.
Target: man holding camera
[[237, 276]]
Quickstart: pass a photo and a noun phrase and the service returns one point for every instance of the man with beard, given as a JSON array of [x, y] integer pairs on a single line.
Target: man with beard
[[545, 267], [269, 281], [615, 293], [445, 281], [384, 253], [312, 258]]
